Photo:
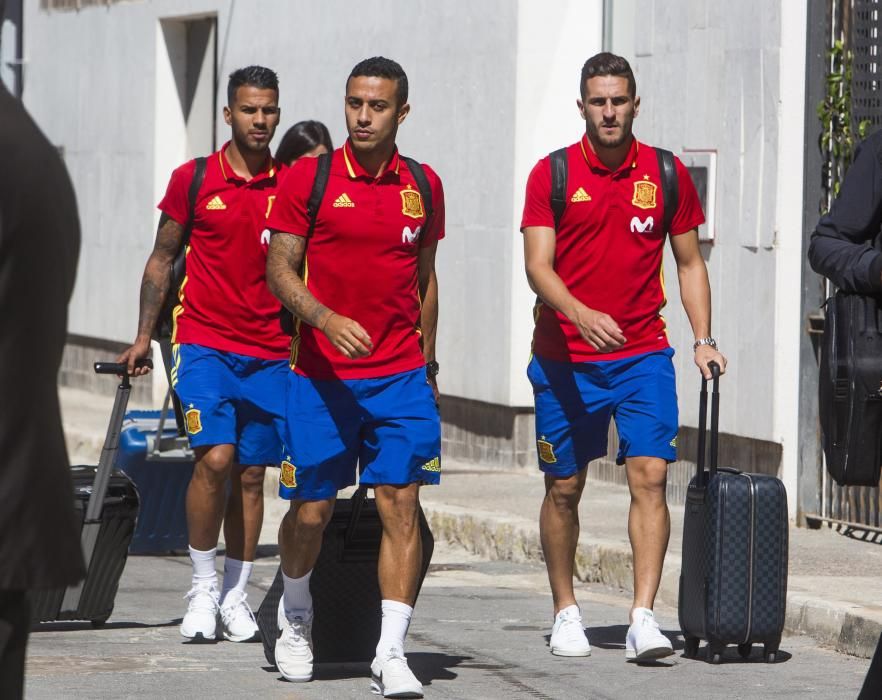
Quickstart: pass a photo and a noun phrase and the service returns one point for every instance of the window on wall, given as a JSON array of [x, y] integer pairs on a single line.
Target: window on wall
[[866, 85]]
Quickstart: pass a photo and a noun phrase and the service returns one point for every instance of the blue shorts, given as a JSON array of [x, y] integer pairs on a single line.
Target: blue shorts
[[574, 402], [231, 399], [388, 427]]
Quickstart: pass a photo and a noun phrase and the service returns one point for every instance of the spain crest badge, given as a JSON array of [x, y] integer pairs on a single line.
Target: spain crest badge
[[288, 475], [546, 451], [644, 194], [194, 421], [412, 203]]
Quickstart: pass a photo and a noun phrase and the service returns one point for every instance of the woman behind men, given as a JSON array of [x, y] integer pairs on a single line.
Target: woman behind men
[[305, 139]]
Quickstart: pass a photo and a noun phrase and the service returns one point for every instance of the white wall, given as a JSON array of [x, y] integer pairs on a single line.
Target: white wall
[[98, 81], [554, 41], [731, 77], [709, 75], [493, 86]]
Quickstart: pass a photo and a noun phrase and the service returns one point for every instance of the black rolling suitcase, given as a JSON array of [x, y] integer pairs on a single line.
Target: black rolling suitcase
[[850, 389], [733, 580], [107, 501], [344, 585]]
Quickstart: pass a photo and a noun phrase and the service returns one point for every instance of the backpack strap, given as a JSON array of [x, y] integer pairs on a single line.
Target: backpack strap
[[558, 160], [422, 182], [316, 195], [192, 195], [319, 185], [670, 186], [177, 272]]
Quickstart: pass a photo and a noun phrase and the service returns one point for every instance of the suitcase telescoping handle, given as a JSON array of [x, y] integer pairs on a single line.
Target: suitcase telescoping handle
[[358, 501], [111, 440], [92, 519], [714, 425]]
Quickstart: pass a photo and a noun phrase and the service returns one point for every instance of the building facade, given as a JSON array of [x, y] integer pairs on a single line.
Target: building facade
[[129, 90]]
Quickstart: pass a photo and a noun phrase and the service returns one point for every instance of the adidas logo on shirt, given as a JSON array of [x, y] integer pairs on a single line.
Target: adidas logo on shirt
[[215, 204], [580, 195], [343, 201]]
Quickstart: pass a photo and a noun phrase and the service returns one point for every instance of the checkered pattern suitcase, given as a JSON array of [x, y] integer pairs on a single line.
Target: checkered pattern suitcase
[[733, 579]]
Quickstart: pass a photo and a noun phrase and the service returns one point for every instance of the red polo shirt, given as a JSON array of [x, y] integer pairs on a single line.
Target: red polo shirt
[[225, 303], [361, 260], [609, 247]]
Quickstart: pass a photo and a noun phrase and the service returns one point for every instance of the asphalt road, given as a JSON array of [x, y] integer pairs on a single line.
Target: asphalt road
[[480, 632]]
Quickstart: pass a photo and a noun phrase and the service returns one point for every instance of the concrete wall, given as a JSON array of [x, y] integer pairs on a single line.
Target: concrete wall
[[731, 78], [492, 87]]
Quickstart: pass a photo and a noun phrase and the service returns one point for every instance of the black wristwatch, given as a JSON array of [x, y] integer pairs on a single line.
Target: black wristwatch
[[432, 369]]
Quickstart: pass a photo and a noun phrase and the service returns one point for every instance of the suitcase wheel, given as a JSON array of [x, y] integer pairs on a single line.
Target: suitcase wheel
[[715, 653], [744, 650], [770, 653], [690, 646]]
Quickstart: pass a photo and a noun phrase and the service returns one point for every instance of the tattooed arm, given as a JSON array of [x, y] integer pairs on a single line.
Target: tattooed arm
[[283, 264], [154, 288]]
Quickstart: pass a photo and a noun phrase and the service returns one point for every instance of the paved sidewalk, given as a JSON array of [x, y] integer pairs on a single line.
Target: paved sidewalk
[[835, 585]]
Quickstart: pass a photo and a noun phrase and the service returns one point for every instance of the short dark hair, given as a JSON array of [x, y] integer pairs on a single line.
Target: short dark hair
[[302, 138], [255, 76], [379, 67], [607, 64]]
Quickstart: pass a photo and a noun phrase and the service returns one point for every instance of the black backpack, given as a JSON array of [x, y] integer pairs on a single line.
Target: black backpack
[[666, 168], [320, 184]]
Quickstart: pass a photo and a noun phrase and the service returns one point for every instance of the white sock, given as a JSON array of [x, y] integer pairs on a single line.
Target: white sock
[[393, 628], [298, 599], [570, 608], [204, 575], [236, 574]]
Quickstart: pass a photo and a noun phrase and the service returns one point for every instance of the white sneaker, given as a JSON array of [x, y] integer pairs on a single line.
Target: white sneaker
[[237, 620], [200, 622], [568, 636], [392, 678], [294, 647], [645, 641]]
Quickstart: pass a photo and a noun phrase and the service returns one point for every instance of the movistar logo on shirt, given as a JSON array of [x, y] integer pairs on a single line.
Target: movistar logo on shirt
[[580, 195], [644, 226], [343, 201], [215, 204]]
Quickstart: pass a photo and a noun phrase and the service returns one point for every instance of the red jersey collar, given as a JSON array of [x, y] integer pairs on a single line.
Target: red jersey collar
[[230, 174], [596, 164], [353, 167]]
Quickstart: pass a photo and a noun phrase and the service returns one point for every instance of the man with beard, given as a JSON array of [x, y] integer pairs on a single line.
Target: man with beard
[[362, 391], [600, 346], [229, 352]]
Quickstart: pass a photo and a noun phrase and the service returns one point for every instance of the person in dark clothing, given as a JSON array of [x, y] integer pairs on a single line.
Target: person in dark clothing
[[39, 246], [846, 246]]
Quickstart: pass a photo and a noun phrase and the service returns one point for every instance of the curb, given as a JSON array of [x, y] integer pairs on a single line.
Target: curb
[[844, 627]]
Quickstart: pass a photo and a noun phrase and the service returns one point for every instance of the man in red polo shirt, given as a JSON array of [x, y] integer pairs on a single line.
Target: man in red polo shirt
[[600, 346], [362, 389], [229, 351]]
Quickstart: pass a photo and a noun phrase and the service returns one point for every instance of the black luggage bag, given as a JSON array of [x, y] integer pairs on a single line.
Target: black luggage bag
[[850, 389], [344, 585], [733, 580], [107, 501]]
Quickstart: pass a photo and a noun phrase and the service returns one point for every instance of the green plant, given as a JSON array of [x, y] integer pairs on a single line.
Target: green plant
[[838, 138]]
